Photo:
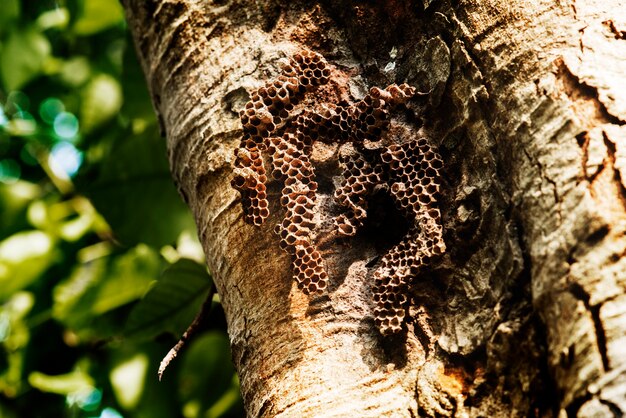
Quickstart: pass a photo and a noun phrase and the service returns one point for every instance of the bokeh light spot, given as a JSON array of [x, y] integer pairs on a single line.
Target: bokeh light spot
[[3, 117], [128, 379], [58, 17], [65, 159], [5, 326], [87, 400], [50, 108], [66, 125], [9, 171], [110, 413]]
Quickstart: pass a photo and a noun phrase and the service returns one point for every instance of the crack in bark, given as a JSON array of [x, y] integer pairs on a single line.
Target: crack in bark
[[426, 337], [581, 294], [170, 39], [615, 410], [266, 407], [543, 175], [583, 142], [600, 334], [572, 409], [581, 44], [579, 91], [617, 177], [619, 34]]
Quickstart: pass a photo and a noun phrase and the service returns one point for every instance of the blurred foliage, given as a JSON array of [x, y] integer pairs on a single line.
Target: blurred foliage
[[100, 267]]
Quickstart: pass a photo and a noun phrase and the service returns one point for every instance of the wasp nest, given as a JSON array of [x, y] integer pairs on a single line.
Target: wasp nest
[[410, 171], [264, 127], [413, 170]]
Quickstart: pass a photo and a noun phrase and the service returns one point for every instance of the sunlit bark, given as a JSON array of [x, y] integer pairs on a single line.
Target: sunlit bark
[[526, 313]]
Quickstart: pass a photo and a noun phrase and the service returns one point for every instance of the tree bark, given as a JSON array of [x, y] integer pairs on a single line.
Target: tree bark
[[525, 315]]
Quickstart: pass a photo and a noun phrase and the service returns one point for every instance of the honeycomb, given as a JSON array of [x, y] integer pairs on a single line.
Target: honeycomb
[[414, 172], [274, 125], [360, 178], [289, 147]]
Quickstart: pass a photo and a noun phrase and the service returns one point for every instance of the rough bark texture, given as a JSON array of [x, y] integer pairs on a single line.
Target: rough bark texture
[[526, 313]]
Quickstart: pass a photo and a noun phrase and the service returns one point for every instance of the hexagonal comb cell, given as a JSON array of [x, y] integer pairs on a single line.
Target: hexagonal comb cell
[[275, 124], [360, 178]]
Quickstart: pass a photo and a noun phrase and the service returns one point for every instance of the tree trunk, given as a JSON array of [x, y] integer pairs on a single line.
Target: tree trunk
[[525, 314]]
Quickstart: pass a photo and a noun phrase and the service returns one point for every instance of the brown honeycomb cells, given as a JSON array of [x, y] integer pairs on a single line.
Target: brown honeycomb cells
[[250, 180], [370, 116], [415, 181], [265, 128], [311, 69], [262, 115], [308, 271], [360, 178], [279, 130], [290, 162]]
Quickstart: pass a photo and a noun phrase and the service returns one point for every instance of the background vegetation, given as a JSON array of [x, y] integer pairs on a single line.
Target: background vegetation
[[100, 267]]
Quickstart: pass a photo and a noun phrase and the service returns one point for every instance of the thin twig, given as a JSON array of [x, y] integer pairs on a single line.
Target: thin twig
[[189, 332]]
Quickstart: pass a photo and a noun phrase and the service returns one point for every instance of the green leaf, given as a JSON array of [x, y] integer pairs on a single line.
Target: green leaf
[[136, 195], [73, 297], [75, 71], [14, 332], [14, 199], [14, 338], [104, 284], [9, 11], [68, 220], [64, 384], [22, 57], [23, 257], [101, 100], [97, 15], [57, 18], [128, 279], [171, 304]]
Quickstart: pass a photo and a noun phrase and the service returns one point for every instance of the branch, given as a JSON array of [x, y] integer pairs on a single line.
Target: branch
[[191, 330]]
